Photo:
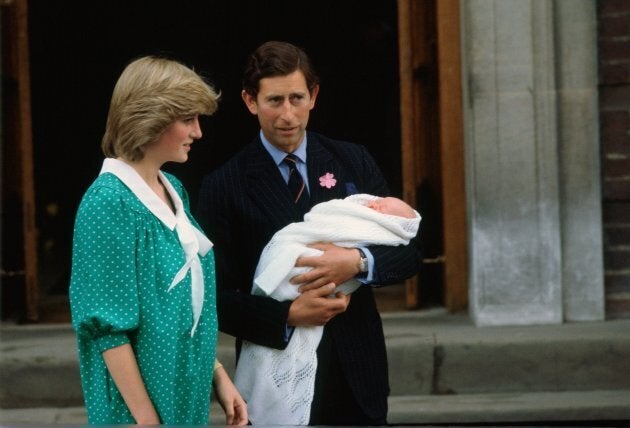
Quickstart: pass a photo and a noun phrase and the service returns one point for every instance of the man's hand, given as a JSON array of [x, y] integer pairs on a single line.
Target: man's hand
[[337, 265], [317, 306]]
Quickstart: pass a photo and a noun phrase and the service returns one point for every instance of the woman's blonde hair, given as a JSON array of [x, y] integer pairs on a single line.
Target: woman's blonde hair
[[151, 93]]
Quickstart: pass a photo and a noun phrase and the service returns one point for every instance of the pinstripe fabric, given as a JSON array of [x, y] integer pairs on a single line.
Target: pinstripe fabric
[[243, 203]]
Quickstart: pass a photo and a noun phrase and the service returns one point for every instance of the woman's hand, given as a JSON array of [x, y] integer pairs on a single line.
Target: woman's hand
[[229, 398]]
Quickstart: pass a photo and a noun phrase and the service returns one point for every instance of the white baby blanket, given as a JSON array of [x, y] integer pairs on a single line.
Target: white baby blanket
[[278, 385]]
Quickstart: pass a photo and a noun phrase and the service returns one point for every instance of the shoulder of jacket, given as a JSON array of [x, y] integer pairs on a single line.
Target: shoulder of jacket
[[228, 170], [339, 148], [332, 142]]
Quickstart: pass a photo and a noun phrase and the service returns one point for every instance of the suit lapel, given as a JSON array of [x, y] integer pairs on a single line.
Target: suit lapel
[[320, 161], [267, 189]]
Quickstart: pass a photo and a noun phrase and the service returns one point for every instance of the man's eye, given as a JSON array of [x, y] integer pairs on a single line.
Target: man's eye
[[297, 99]]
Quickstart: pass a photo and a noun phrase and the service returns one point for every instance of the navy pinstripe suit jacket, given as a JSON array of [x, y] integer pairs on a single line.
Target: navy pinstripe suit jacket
[[245, 201]]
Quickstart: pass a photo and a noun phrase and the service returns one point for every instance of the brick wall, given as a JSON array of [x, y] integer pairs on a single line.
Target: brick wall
[[614, 104]]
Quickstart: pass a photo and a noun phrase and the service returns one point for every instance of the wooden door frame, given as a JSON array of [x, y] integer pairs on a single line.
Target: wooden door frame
[[18, 139], [412, 60], [416, 34]]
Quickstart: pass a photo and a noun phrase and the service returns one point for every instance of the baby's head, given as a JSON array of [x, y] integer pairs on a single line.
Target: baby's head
[[391, 206]]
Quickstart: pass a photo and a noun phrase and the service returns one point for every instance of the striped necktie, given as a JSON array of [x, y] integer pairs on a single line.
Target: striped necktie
[[296, 184]]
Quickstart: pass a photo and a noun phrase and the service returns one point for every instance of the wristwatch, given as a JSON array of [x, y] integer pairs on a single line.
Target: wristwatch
[[363, 262]]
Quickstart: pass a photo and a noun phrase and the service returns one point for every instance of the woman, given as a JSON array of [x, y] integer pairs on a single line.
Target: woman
[[142, 289]]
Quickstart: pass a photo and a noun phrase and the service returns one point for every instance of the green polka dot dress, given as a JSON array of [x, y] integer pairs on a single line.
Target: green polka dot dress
[[124, 260]]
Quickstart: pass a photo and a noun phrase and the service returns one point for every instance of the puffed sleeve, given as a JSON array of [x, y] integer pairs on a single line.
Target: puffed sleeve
[[103, 283]]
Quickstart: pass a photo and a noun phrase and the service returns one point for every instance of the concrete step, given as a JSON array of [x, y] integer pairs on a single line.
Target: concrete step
[[39, 365], [537, 408], [71, 416], [438, 353], [548, 408], [441, 366]]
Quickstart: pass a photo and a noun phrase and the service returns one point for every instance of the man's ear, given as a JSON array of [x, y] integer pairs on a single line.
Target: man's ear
[[250, 102], [314, 93]]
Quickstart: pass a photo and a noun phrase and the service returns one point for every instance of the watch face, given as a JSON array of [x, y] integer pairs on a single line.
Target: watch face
[[364, 264]]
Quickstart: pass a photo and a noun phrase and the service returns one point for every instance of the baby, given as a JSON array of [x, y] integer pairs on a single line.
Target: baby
[[278, 384], [392, 206]]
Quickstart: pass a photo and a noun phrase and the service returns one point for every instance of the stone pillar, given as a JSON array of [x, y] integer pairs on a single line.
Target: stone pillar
[[519, 116], [578, 120]]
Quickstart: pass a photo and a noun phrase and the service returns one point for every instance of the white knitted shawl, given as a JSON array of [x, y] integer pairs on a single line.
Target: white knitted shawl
[[278, 384]]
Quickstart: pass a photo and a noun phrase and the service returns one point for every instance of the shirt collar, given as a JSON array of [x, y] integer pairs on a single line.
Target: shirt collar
[[278, 155], [143, 192]]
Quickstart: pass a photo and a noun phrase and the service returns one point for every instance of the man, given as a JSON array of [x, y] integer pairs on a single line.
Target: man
[[243, 203]]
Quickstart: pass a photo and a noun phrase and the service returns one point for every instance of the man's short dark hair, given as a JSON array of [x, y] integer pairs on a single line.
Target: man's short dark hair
[[275, 58]]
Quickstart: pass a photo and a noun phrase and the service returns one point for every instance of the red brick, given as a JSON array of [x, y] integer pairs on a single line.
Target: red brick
[[616, 212], [616, 236], [617, 308], [612, 7], [619, 119], [615, 144], [616, 282], [617, 260], [618, 191], [618, 137], [613, 26], [614, 74], [614, 98], [612, 51], [616, 168]]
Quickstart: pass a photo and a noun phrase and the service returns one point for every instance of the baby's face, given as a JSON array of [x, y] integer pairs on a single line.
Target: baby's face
[[392, 206]]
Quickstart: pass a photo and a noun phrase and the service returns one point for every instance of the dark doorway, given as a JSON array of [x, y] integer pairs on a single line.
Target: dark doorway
[[79, 48]]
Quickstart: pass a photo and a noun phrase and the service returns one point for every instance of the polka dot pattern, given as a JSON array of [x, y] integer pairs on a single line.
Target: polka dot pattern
[[123, 261]]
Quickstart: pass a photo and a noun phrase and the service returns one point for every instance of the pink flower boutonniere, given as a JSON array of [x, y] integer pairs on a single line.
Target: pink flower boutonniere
[[327, 180]]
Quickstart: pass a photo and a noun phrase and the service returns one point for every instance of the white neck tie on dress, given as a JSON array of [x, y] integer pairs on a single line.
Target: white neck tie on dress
[[190, 244]]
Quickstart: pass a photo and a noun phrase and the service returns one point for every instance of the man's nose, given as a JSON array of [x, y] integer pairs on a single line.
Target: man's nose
[[288, 110]]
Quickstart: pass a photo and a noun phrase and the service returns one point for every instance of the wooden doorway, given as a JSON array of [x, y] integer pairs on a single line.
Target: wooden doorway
[[357, 59], [20, 282], [432, 146]]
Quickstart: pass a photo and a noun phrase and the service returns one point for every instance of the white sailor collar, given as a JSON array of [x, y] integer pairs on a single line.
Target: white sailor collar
[[141, 189], [130, 177]]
